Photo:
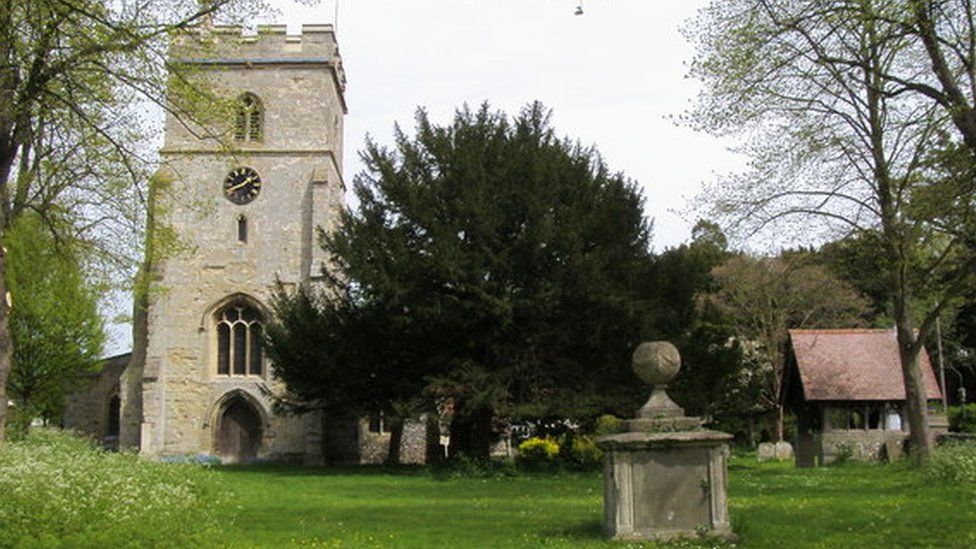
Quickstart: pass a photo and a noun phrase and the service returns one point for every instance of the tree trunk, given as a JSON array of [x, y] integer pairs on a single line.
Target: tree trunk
[[481, 434], [751, 432], [898, 240], [916, 403], [434, 452], [8, 152], [6, 342], [779, 422], [396, 438], [471, 433], [952, 99], [459, 440]]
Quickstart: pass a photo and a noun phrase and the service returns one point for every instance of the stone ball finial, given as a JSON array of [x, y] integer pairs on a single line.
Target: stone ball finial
[[656, 362]]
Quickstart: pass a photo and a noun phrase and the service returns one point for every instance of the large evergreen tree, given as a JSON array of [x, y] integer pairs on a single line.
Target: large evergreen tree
[[488, 262]]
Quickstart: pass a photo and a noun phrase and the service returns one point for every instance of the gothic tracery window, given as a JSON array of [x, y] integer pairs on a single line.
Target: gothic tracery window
[[239, 350], [247, 123]]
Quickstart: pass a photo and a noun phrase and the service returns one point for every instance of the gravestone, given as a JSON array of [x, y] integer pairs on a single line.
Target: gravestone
[[784, 451], [778, 451], [665, 475]]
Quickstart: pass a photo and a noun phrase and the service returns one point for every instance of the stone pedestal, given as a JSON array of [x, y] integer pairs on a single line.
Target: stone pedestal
[[662, 486], [665, 477]]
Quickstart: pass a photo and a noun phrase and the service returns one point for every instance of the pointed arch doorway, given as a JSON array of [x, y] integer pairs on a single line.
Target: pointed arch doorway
[[238, 433]]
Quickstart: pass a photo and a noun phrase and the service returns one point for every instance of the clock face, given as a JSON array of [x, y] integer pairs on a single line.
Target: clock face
[[242, 185]]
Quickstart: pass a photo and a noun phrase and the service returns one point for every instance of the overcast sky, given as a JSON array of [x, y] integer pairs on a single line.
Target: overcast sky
[[613, 77]]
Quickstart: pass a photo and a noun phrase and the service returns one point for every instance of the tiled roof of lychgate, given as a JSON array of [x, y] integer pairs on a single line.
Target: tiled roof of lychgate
[[855, 364]]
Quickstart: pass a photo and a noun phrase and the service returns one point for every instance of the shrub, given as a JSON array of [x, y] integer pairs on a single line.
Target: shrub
[[607, 425], [59, 490], [962, 419], [18, 423], [463, 466], [954, 463], [579, 452], [538, 452]]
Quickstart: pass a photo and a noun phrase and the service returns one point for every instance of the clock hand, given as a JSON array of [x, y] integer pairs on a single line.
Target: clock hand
[[239, 185]]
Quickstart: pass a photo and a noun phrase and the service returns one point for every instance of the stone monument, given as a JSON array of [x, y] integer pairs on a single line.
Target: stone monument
[[665, 475]]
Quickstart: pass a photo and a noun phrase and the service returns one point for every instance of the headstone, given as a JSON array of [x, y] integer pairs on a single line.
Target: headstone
[[784, 451], [891, 450], [665, 475], [766, 451]]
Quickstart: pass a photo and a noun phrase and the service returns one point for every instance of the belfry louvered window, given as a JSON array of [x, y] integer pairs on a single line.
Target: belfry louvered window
[[239, 350], [249, 118]]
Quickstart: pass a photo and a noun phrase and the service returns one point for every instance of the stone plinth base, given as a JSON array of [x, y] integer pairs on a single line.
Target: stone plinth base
[[662, 424], [665, 486]]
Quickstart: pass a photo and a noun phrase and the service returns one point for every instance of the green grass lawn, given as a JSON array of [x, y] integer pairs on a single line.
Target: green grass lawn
[[772, 505]]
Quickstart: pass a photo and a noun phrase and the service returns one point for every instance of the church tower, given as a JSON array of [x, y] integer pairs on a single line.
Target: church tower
[[245, 216]]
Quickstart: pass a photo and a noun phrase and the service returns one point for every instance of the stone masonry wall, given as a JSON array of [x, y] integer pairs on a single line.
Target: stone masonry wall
[[299, 162], [351, 441], [374, 447], [86, 408], [857, 444]]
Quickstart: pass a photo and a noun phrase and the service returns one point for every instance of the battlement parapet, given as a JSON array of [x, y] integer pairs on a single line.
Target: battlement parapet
[[264, 41], [224, 45], [260, 30]]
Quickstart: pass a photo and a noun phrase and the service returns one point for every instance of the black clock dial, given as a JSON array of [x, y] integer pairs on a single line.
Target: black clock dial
[[242, 185]]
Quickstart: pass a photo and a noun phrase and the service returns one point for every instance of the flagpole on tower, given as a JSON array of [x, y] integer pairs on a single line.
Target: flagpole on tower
[[335, 17]]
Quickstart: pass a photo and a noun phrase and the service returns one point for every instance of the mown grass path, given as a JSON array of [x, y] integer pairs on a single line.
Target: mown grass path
[[772, 505]]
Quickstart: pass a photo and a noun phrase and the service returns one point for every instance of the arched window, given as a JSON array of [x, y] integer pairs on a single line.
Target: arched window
[[247, 124], [239, 350]]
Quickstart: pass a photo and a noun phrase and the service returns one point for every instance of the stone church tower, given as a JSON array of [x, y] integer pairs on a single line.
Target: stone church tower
[[246, 216]]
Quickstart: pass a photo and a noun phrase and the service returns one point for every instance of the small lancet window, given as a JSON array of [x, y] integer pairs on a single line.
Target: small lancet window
[[242, 228], [247, 122]]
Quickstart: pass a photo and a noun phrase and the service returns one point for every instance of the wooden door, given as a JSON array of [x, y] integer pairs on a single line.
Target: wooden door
[[238, 432]]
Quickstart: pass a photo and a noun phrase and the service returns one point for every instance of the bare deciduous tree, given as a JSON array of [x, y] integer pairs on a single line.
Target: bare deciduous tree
[[77, 79], [853, 114]]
